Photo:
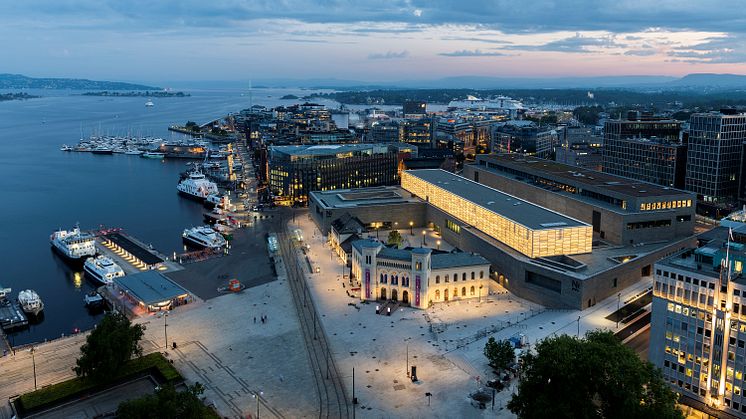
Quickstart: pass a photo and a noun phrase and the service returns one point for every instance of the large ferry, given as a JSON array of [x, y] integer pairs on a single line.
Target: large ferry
[[30, 302], [102, 269], [197, 186], [204, 237], [74, 244]]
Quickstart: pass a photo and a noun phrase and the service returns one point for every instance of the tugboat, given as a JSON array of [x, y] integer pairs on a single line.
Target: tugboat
[[204, 237], [197, 186], [30, 302], [102, 269], [74, 245]]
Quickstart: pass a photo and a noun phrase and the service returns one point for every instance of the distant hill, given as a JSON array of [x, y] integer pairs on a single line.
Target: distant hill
[[17, 81], [711, 80]]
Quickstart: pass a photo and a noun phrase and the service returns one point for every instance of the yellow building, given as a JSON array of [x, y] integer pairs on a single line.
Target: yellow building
[[528, 228]]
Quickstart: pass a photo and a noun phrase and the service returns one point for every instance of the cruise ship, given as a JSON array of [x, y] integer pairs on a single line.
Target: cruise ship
[[204, 237], [74, 244], [30, 302], [197, 186], [102, 269]]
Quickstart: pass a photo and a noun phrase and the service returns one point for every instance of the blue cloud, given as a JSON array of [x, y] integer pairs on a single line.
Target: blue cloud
[[389, 55], [472, 53]]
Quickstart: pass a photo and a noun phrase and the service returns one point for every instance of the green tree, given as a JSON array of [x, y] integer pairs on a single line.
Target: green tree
[[591, 377], [395, 238], [167, 403], [499, 354], [588, 115], [112, 343]]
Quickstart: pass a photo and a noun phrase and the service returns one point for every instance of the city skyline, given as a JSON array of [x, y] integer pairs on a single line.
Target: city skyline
[[238, 40]]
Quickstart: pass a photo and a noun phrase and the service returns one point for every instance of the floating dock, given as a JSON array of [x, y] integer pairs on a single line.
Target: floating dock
[[11, 315]]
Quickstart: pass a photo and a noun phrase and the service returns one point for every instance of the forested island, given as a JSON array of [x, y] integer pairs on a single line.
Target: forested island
[[605, 97], [18, 81], [146, 93], [16, 96]]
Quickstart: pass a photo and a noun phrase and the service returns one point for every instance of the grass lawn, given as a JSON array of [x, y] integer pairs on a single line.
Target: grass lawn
[[50, 395]]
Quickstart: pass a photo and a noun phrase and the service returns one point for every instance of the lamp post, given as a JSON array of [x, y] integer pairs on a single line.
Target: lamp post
[[438, 243], [33, 362], [618, 303], [578, 326], [256, 396], [411, 231], [424, 233], [165, 328]]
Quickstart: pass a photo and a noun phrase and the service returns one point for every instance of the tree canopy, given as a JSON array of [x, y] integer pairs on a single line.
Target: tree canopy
[[592, 377], [112, 343], [499, 354], [167, 403], [395, 238]]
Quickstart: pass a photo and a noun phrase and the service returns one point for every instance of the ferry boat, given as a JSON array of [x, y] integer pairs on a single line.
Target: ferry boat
[[30, 302], [152, 155], [74, 244], [102, 150], [197, 186], [102, 269], [204, 237]]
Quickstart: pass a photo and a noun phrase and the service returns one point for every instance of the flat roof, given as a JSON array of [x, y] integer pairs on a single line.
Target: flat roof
[[325, 150], [150, 287], [134, 249], [518, 210], [352, 198], [574, 175]]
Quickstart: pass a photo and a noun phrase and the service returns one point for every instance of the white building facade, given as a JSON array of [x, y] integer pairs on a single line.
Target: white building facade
[[418, 276]]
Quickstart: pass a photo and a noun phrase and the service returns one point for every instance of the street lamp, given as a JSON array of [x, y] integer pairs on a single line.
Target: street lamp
[[411, 231], [618, 303], [578, 326], [438, 243], [165, 328], [424, 233], [256, 396], [33, 362]]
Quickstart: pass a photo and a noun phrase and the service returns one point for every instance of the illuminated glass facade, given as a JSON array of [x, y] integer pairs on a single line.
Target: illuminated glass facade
[[545, 239]]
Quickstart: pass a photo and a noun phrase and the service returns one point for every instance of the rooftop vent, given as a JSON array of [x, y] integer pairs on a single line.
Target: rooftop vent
[[556, 224], [491, 203]]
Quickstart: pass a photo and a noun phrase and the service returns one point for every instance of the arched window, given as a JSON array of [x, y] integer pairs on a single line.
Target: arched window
[[463, 291], [481, 274], [455, 292], [472, 274], [437, 295], [437, 279], [471, 290], [463, 276], [446, 277]]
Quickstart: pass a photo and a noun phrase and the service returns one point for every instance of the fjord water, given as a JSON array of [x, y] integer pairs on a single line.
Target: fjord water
[[43, 188]]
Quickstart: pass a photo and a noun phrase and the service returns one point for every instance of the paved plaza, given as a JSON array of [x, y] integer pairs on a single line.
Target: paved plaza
[[444, 342]]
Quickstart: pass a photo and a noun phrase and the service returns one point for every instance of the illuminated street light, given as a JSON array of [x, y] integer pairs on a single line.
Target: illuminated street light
[[424, 233], [438, 243], [256, 396], [411, 224]]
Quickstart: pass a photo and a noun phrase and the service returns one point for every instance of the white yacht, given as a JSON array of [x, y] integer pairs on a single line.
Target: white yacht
[[204, 237], [149, 104], [30, 302], [197, 186], [153, 155], [74, 244], [66, 147], [102, 269], [93, 300]]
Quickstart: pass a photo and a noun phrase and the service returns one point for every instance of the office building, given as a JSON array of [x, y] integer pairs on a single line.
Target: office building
[[525, 137], [653, 160], [384, 132], [714, 155], [580, 156], [414, 109], [418, 132], [698, 324], [294, 171]]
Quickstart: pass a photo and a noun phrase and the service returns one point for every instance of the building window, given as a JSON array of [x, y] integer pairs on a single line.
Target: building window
[[481, 274], [437, 295], [446, 277], [453, 226], [463, 276], [463, 291], [471, 290], [472, 274], [418, 266], [437, 279]]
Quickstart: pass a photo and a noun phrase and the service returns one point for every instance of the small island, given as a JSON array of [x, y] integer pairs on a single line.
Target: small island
[[137, 94], [16, 96], [290, 97]]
